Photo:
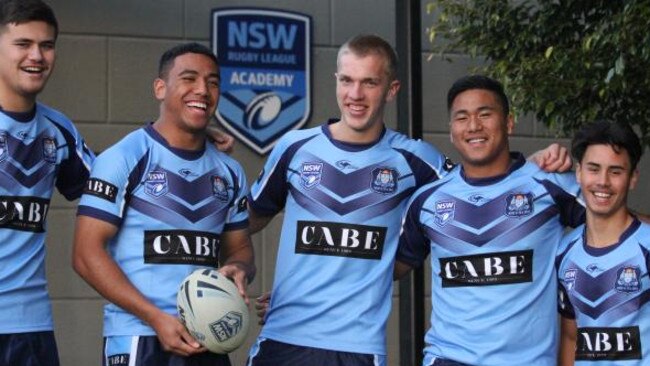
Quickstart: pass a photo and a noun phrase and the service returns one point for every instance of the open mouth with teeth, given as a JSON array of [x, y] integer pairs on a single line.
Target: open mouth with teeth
[[198, 105], [33, 69]]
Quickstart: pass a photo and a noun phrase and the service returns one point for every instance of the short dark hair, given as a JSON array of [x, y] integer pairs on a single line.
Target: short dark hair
[[618, 135], [23, 11], [167, 58], [478, 82], [369, 44]]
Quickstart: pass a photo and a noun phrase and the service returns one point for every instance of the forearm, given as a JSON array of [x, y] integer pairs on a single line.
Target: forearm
[[102, 273]]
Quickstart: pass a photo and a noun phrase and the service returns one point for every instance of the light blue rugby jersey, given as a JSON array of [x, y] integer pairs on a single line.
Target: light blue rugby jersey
[[170, 205], [492, 244], [38, 151], [606, 291], [343, 203]]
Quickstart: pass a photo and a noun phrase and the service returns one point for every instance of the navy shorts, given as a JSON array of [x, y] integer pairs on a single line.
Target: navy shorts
[[267, 352], [147, 351], [36, 348]]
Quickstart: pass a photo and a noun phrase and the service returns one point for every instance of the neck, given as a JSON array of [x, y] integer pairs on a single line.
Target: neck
[[11, 102], [603, 231], [342, 132], [178, 138], [494, 168]]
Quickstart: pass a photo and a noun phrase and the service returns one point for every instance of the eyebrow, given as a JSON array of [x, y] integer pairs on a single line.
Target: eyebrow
[[194, 72], [592, 164]]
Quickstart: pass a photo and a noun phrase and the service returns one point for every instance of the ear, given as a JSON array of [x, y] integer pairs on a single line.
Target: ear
[[634, 179], [393, 88], [159, 89], [578, 170], [510, 123]]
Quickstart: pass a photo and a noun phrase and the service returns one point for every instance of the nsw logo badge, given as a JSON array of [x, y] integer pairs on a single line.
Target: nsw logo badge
[[311, 174], [444, 212], [265, 59], [156, 184]]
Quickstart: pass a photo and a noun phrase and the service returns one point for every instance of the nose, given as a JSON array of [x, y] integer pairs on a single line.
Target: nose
[[35, 52], [201, 87], [474, 123], [603, 178], [355, 91]]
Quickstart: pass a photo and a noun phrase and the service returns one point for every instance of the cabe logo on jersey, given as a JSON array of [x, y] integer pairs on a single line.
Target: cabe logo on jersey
[[23, 213], [265, 59], [181, 247], [342, 240], [487, 269], [599, 344], [101, 189]]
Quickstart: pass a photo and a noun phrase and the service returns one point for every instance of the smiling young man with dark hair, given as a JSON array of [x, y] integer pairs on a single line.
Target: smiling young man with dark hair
[[39, 149], [602, 266]]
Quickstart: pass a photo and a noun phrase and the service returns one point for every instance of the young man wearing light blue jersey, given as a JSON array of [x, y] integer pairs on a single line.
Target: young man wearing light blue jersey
[[160, 204], [40, 148], [602, 266], [491, 227]]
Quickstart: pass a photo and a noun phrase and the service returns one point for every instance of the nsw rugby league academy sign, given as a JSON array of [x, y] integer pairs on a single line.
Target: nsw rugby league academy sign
[[265, 59]]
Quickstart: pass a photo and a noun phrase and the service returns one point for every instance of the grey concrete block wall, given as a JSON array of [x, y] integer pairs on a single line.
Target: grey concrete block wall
[[107, 59]]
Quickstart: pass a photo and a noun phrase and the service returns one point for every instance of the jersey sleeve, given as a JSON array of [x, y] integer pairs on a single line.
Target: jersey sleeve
[[427, 162], [413, 246], [269, 192], [112, 176], [238, 212], [565, 191], [75, 169]]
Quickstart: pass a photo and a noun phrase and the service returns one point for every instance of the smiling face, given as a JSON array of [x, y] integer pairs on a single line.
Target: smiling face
[[479, 130], [605, 177], [26, 62], [363, 87], [189, 93]]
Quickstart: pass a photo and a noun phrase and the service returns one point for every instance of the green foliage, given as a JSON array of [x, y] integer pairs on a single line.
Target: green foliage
[[567, 61]]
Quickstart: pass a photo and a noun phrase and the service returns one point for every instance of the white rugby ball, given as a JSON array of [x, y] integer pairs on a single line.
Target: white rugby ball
[[212, 310]]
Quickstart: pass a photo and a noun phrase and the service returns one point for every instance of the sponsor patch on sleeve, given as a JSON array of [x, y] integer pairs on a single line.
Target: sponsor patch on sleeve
[[101, 189], [242, 204]]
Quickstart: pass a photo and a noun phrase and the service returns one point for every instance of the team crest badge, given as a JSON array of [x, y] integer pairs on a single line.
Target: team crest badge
[[384, 180], [156, 184], [4, 150], [265, 62], [570, 279], [219, 188], [49, 149], [310, 174], [227, 327], [519, 204], [627, 279], [444, 212]]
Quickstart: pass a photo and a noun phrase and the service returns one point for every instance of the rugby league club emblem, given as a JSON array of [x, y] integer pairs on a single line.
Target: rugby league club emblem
[[519, 204], [627, 279], [444, 212], [49, 149], [156, 184], [265, 60], [310, 174], [220, 188], [384, 180]]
